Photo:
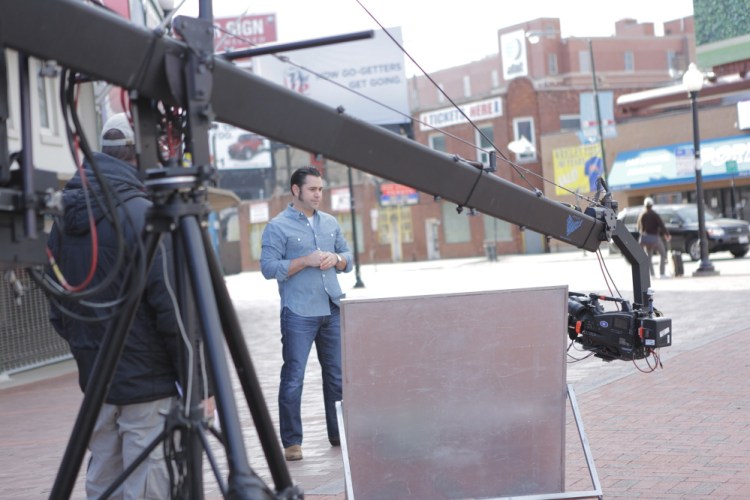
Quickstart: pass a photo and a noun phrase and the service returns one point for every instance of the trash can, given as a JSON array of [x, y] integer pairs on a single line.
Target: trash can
[[490, 250]]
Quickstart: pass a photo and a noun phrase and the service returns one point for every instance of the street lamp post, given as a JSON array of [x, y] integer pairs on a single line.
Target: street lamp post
[[597, 109], [358, 283], [693, 81]]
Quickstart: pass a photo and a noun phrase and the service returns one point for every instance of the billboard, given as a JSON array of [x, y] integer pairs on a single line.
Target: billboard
[[577, 168], [235, 148], [513, 52], [243, 32], [244, 161], [355, 75]]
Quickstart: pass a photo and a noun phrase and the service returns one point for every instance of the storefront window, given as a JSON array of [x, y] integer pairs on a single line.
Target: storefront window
[[496, 229], [456, 228], [345, 223]]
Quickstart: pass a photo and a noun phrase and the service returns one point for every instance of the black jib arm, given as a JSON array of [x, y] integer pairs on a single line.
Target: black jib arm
[[104, 46]]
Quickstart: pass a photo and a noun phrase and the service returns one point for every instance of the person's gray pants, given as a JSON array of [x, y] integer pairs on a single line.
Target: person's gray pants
[[651, 248], [121, 433]]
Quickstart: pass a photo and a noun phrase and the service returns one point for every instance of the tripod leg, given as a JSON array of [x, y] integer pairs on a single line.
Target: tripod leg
[[98, 385], [247, 375], [192, 468], [243, 482]]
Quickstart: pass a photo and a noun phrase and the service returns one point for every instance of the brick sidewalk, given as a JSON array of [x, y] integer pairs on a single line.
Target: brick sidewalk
[[36, 420], [682, 432]]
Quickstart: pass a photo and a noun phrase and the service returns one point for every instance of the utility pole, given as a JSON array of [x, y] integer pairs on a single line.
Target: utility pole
[[598, 111]]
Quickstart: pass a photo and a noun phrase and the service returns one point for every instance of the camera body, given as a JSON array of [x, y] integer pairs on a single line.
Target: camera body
[[628, 334]]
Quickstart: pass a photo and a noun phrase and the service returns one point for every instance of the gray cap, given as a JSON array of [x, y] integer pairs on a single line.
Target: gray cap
[[118, 122]]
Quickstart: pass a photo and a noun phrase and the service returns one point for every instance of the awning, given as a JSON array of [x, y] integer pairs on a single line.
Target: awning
[[219, 199], [722, 158], [676, 95]]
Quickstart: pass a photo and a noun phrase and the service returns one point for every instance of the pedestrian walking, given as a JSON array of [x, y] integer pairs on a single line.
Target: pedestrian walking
[[304, 249], [652, 229]]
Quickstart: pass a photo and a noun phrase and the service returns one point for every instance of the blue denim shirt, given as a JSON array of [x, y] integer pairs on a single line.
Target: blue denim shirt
[[289, 236]]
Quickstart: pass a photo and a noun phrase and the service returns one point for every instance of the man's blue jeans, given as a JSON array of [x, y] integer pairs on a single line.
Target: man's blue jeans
[[297, 336]]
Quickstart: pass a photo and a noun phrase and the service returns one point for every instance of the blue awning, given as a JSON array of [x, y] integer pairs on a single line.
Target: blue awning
[[674, 164]]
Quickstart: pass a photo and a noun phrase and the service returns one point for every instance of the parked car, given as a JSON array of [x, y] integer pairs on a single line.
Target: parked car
[[245, 146], [724, 235]]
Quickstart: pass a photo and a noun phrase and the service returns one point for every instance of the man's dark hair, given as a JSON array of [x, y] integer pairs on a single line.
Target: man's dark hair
[[124, 153], [299, 176]]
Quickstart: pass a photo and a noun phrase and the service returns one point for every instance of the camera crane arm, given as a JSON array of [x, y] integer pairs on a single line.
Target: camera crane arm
[[105, 46]]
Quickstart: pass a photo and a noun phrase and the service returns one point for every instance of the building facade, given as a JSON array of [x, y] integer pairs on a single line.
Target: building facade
[[655, 153], [27, 339], [532, 88]]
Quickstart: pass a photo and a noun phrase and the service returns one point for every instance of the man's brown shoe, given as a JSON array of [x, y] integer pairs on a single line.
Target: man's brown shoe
[[293, 453]]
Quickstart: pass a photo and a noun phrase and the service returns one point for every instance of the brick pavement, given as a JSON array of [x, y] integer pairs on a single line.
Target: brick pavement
[[682, 432], [35, 423]]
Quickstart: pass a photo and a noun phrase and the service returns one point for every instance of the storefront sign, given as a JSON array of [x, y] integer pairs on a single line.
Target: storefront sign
[[243, 32], [513, 50], [340, 200], [398, 194], [675, 163], [258, 213], [476, 111]]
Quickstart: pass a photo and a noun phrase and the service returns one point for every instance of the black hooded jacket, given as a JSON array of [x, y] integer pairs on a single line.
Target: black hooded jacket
[[147, 369]]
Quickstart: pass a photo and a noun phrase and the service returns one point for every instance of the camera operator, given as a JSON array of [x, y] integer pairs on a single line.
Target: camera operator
[[143, 388]]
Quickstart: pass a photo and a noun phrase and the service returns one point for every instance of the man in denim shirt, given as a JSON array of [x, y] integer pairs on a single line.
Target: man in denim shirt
[[304, 250]]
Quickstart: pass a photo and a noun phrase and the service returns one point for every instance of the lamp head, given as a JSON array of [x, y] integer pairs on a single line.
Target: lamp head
[[167, 6], [521, 146], [693, 79], [535, 36]]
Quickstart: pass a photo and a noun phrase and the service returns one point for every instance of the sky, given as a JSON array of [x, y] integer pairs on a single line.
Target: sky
[[440, 35]]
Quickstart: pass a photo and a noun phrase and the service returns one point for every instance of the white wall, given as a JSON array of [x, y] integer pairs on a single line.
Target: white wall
[[49, 144]]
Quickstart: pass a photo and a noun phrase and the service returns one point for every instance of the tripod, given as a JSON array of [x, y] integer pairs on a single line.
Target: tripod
[[177, 208], [178, 195]]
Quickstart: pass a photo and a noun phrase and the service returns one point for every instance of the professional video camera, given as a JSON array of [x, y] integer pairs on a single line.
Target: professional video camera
[[627, 334]]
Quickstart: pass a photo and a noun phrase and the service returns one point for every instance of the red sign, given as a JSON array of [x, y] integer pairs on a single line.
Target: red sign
[[244, 32], [122, 7], [398, 194], [396, 190], [318, 161]]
